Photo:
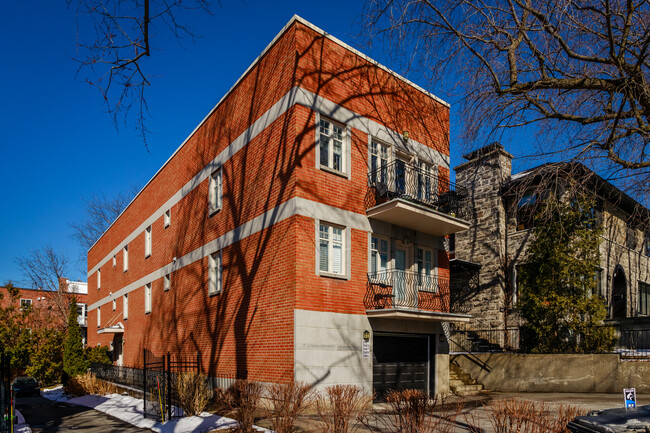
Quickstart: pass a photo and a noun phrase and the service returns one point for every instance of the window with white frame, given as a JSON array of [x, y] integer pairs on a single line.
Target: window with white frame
[[99, 316], [114, 304], [214, 274], [332, 145], [99, 279], [167, 284], [114, 260], [125, 306], [147, 242], [168, 218], [379, 157], [426, 271], [125, 258], [25, 304], [378, 255], [147, 298], [331, 249], [215, 193]]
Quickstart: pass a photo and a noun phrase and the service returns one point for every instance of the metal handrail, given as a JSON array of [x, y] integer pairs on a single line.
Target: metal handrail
[[394, 288], [399, 179]]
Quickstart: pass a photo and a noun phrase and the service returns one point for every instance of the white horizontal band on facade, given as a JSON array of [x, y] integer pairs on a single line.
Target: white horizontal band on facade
[[292, 207], [296, 95]]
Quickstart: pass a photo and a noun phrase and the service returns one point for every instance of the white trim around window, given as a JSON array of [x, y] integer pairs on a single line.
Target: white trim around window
[[99, 316], [167, 218], [147, 298], [125, 258], [147, 242], [215, 192], [332, 250], [333, 149], [125, 306], [215, 273], [99, 279], [167, 282]]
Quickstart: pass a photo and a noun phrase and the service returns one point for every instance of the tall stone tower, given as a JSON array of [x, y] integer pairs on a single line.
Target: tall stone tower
[[484, 173]]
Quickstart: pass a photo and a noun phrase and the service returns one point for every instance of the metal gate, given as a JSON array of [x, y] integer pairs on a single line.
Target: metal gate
[[160, 375], [6, 397]]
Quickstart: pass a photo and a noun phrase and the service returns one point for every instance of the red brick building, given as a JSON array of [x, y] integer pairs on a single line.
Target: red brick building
[[297, 233]]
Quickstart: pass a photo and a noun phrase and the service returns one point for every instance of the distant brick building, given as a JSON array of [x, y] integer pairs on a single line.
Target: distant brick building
[[44, 303], [495, 244], [297, 234]]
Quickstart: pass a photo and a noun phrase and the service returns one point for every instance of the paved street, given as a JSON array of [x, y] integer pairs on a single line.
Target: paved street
[[45, 416]]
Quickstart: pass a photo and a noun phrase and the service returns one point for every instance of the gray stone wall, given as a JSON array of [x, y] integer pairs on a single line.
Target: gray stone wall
[[484, 242]]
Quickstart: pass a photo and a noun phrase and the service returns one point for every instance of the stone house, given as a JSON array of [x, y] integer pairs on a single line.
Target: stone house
[[495, 245]]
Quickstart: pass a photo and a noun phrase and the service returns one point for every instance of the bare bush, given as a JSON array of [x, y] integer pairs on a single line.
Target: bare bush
[[410, 407], [525, 416], [89, 384], [193, 392], [339, 406], [286, 403], [241, 401]]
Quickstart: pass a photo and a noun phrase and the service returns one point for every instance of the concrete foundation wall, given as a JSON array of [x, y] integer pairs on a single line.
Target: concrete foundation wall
[[557, 373]]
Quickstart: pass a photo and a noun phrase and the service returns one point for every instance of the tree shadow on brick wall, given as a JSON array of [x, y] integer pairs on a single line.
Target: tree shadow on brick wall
[[247, 329]]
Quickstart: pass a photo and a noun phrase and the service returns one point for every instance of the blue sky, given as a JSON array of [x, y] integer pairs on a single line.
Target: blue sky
[[59, 145]]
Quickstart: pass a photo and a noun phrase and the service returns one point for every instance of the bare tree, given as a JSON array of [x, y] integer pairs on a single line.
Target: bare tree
[[46, 269], [100, 213], [115, 37], [577, 70]]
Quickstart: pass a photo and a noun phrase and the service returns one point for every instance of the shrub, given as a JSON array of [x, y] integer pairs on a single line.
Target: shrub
[[525, 416], [410, 407], [193, 392], [241, 401], [287, 401], [73, 359], [97, 355], [84, 384], [339, 405]]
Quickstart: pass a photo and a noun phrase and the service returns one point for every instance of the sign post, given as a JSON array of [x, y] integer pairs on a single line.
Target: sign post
[[630, 398]]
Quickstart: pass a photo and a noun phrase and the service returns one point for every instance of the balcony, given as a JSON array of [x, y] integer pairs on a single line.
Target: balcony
[[408, 294], [403, 194]]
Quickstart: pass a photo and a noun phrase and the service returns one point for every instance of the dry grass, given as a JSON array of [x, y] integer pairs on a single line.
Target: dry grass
[[526, 416], [89, 384], [339, 406], [193, 392]]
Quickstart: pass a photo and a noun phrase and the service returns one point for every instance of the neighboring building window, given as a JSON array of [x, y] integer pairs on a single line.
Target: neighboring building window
[[167, 282], [331, 139], [99, 279], [526, 212], [125, 306], [25, 304], [379, 157], [452, 243], [426, 279], [125, 258], [630, 238], [215, 273], [168, 218], [114, 261], [82, 314], [147, 242], [215, 191], [378, 255], [644, 299], [646, 248], [331, 249], [99, 317], [147, 298]]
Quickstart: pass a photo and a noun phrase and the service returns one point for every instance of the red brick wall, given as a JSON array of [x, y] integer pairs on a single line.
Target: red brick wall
[[249, 327]]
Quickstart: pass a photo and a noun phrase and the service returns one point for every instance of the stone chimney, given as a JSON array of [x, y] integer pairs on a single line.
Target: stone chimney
[[483, 174]]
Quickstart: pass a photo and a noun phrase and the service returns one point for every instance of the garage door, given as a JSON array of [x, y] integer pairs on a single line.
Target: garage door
[[399, 362]]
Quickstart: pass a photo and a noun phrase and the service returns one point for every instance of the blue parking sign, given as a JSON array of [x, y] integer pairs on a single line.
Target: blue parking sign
[[630, 398]]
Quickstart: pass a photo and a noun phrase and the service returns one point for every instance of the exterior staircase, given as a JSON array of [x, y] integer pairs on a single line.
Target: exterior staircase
[[462, 384]]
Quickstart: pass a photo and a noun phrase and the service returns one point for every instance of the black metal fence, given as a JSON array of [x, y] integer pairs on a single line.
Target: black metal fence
[[630, 343], [6, 397], [399, 179]]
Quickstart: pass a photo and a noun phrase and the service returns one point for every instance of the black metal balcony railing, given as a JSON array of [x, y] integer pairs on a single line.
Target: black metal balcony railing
[[406, 181], [408, 290]]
